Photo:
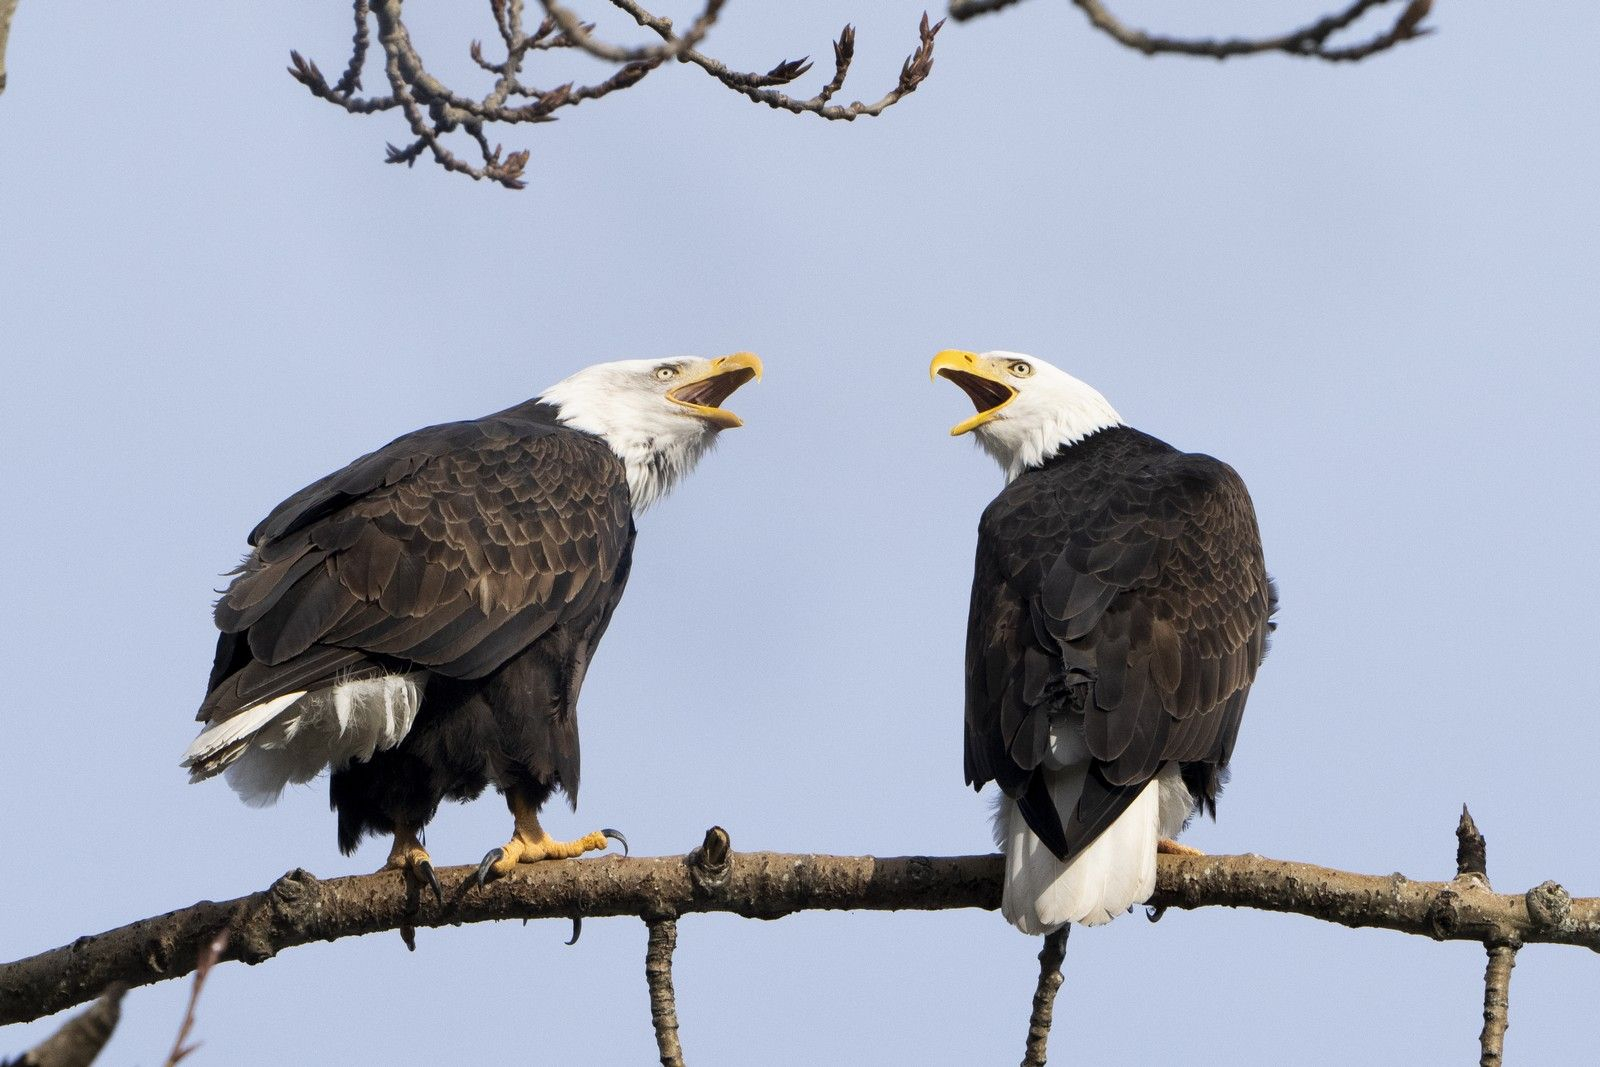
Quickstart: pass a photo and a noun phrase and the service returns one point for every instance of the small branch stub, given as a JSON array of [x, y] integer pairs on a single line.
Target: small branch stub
[[708, 863], [1549, 906], [1472, 851]]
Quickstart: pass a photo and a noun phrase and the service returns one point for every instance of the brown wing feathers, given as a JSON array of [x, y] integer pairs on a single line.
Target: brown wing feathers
[[1139, 571], [452, 549]]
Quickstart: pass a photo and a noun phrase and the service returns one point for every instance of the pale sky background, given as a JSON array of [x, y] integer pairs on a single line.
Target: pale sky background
[[1371, 288]]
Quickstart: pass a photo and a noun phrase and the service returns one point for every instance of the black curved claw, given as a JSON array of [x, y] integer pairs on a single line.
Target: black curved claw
[[425, 872], [495, 856], [616, 835], [577, 930], [1154, 914]]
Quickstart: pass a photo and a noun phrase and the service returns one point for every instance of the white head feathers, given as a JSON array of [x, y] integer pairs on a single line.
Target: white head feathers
[[658, 416], [1028, 410]]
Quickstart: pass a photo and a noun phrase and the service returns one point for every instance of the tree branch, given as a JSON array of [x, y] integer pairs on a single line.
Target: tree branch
[[80, 1041], [1496, 1003], [7, 9], [658, 975], [913, 72], [433, 110], [208, 959], [577, 33], [1309, 41], [299, 908], [1044, 997]]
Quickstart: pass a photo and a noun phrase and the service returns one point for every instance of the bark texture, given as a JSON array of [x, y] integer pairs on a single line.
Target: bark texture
[[1044, 998], [1496, 1004], [299, 908], [663, 1003], [80, 1041]]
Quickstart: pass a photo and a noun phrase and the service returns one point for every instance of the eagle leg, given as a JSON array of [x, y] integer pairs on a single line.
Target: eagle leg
[[530, 844], [409, 856], [1173, 848]]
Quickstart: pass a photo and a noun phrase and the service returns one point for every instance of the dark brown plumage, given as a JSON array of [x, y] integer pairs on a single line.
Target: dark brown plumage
[[1124, 580], [419, 624], [486, 555]]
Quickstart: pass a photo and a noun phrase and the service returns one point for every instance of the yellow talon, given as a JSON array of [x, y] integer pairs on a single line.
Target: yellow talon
[[1173, 848], [530, 844], [410, 858]]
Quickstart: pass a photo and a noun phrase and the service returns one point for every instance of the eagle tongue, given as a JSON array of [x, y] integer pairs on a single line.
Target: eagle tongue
[[711, 392], [984, 394]]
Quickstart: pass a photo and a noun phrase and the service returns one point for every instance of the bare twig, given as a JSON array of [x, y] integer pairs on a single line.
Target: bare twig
[[913, 72], [577, 34], [1496, 1003], [1044, 997], [1309, 41], [299, 908], [663, 1005], [208, 959], [7, 9], [80, 1041], [962, 10], [433, 111]]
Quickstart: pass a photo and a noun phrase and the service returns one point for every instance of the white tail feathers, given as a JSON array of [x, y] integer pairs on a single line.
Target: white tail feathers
[[219, 745], [1116, 871], [293, 738]]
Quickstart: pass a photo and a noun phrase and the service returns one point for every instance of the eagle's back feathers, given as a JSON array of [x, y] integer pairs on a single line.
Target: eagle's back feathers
[[1120, 608], [444, 555]]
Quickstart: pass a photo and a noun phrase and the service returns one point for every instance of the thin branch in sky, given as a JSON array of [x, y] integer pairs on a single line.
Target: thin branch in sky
[[663, 1003], [1311, 41], [208, 959], [433, 111], [7, 9], [1044, 997], [1496, 1004]]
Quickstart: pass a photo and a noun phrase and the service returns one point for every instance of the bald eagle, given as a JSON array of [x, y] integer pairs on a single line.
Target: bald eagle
[[419, 623], [1120, 608]]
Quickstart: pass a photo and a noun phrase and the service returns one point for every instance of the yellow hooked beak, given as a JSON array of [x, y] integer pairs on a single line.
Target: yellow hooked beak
[[981, 379], [704, 395]]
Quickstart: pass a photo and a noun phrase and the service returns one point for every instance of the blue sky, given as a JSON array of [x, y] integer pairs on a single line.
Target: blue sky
[[1372, 289]]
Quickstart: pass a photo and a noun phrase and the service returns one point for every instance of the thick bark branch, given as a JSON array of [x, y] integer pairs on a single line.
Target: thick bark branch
[[299, 909]]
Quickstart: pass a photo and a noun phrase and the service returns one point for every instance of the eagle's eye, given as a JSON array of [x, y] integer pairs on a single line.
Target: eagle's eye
[[667, 372], [1021, 369]]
